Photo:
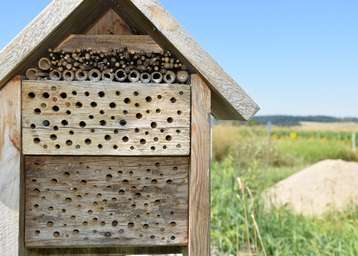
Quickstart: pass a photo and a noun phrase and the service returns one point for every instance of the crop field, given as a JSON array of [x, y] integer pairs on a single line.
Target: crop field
[[247, 161]]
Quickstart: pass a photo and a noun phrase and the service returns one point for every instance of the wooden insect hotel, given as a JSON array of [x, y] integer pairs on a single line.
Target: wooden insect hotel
[[105, 137]]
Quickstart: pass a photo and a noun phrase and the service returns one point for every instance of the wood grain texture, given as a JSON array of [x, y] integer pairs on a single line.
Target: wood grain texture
[[106, 201], [220, 81], [10, 153], [110, 24], [105, 118], [199, 181], [134, 43], [58, 20]]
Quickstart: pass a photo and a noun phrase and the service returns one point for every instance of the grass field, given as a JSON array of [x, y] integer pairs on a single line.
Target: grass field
[[246, 163]]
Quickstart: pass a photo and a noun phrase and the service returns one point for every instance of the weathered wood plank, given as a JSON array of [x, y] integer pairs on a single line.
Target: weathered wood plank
[[105, 118], [134, 43], [110, 24], [46, 31], [10, 153], [106, 201], [199, 181]]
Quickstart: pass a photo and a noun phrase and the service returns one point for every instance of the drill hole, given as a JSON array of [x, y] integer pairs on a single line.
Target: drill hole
[[46, 123], [31, 95], [123, 122]]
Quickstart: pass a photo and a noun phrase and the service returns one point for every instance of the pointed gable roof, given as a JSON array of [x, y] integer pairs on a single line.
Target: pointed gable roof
[[64, 17]]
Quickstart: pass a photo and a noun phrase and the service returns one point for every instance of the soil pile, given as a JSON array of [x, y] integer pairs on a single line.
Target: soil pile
[[329, 185]]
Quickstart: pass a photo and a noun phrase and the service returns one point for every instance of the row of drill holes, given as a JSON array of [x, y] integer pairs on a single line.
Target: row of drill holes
[[101, 94], [107, 234], [83, 124]]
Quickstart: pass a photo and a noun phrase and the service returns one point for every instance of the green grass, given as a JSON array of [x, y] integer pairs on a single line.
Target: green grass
[[246, 165]]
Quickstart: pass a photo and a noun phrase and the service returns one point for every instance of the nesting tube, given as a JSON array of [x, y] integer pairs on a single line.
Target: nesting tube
[[55, 75], [157, 77], [81, 75], [94, 75], [120, 75], [134, 76], [32, 74], [145, 78], [44, 64], [68, 75], [169, 77], [107, 75], [183, 76]]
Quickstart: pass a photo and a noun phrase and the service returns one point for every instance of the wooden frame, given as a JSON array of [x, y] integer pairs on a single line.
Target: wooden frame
[[199, 183], [139, 25]]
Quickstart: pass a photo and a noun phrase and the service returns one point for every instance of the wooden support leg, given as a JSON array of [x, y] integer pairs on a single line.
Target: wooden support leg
[[10, 153], [199, 181]]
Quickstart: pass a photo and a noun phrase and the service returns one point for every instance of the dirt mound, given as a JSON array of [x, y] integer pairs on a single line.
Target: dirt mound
[[324, 186]]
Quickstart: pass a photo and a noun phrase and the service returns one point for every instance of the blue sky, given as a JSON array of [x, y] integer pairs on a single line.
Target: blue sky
[[293, 57]]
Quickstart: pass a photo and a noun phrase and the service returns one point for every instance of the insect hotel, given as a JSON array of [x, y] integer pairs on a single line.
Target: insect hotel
[[105, 137]]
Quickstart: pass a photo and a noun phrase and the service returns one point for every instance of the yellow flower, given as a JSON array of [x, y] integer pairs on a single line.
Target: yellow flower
[[293, 135]]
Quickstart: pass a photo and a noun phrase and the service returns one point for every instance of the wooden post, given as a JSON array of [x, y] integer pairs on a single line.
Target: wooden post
[[10, 155], [199, 177]]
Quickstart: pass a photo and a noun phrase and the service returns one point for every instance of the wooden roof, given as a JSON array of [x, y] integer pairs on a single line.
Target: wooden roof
[[64, 17]]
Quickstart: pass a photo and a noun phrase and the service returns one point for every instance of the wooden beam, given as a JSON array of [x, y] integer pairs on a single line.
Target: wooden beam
[[161, 250], [134, 43], [10, 153], [199, 177]]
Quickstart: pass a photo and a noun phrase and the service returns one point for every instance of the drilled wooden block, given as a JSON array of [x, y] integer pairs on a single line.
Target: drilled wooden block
[[83, 118], [106, 201]]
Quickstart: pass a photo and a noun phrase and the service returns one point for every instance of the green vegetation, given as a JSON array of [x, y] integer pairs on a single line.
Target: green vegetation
[[246, 163]]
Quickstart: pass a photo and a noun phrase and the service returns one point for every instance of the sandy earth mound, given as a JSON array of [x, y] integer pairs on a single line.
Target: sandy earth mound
[[326, 185]]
